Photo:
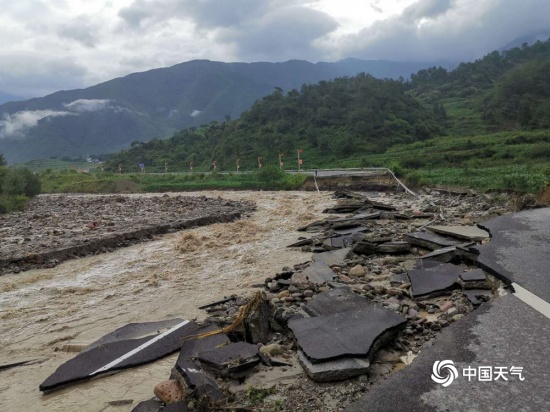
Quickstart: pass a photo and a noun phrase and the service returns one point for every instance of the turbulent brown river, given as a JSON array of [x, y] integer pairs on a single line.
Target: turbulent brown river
[[43, 310]]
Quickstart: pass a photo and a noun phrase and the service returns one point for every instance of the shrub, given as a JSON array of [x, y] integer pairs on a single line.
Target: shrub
[[271, 174]]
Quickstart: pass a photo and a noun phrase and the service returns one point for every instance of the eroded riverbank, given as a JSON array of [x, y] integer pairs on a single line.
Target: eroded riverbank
[[79, 300]]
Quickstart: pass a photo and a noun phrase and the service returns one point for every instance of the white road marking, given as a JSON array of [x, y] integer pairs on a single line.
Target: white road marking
[[139, 348], [532, 300]]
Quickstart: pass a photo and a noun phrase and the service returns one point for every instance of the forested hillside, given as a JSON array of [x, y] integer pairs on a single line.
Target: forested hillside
[[359, 116], [331, 119], [107, 117]]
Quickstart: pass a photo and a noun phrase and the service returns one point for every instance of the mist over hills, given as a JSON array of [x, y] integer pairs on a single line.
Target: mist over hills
[[107, 117]]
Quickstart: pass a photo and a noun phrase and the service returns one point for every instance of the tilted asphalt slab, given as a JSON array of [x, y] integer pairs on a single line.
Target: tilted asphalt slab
[[118, 355], [504, 333]]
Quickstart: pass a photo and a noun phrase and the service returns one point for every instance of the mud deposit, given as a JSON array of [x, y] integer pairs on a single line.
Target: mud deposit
[[55, 228], [79, 300]]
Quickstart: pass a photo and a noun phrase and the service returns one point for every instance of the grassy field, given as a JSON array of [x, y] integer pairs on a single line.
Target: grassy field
[[72, 182], [40, 165]]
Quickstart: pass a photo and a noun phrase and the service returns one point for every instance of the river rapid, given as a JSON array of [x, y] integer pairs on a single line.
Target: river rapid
[[42, 311]]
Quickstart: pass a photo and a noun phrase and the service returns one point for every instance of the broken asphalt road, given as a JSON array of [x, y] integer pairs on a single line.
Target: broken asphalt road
[[504, 333], [518, 250]]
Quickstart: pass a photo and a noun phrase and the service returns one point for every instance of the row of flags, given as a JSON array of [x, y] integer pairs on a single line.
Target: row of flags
[[215, 163], [281, 164]]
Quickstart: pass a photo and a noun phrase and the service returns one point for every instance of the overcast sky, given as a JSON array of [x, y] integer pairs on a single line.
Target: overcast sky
[[48, 45]]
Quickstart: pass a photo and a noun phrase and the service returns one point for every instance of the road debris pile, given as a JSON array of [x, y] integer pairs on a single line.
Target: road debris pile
[[382, 282], [50, 230]]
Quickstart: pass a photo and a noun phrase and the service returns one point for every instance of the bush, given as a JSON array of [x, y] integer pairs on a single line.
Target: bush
[[396, 168], [33, 185], [271, 174]]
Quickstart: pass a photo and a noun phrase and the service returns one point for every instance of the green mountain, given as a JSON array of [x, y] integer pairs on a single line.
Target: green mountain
[[361, 115], [139, 107]]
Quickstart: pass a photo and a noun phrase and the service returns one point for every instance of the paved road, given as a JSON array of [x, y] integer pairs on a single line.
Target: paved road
[[320, 172], [512, 331]]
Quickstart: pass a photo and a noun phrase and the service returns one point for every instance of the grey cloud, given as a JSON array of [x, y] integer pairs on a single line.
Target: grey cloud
[[426, 9], [205, 14], [465, 30], [376, 8], [16, 124], [135, 14], [253, 29], [287, 33], [87, 105], [37, 75], [216, 13], [81, 30]]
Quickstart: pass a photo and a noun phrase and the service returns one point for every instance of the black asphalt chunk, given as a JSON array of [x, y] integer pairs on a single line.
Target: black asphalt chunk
[[477, 296], [333, 257], [345, 208], [317, 272], [338, 242], [345, 334], [152, 405], [471, 233], [314, 226], [399, 279], [474, 275], [180, 406], [518, 250], [232, 354], [442, 255], [503, 333], [429, 240], [216, 303], [426, 263], [381, 206], [335, 370], [302, 242], [191, 347], [116, 355], [394, 247], [351, 231], [365, 248], [334, 301], [198, 380], [434, 281], [13, 363], [134, 331]]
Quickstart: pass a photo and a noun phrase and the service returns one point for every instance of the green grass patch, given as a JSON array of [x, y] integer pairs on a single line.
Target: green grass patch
[[72, 182], [41, 165]]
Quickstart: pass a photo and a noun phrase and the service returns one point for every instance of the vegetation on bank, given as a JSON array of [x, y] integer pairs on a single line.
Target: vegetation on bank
[[70, 181], [16, 186]]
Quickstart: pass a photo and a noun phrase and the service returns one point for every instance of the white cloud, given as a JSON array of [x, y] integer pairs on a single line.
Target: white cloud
[[87, 105], [456, 30], [16, 124], [195, 113]]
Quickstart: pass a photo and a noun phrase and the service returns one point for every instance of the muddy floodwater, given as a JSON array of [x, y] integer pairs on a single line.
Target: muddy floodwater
[[78, 301]]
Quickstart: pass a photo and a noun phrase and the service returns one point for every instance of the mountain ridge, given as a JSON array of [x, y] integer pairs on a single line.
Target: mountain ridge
[[108, 116]]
